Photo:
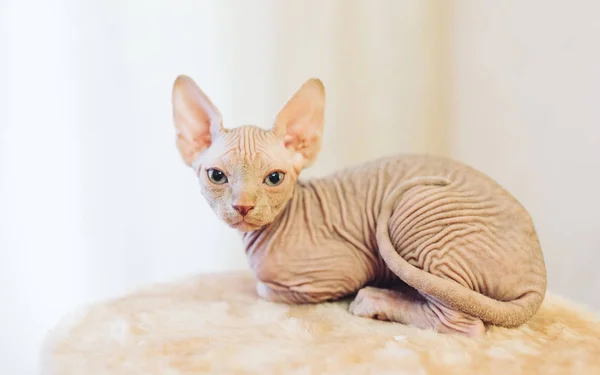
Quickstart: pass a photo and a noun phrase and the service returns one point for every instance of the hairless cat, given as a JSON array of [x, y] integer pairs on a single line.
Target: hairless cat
[[421, 240]]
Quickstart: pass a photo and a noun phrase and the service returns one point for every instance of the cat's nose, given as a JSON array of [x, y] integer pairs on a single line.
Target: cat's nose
[[243, 210]]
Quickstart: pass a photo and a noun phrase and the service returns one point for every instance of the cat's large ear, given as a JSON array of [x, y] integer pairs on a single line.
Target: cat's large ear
[[197, 120], [300, 122]]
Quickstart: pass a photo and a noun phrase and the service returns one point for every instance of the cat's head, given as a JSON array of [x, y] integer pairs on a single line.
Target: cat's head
[[248, 174]]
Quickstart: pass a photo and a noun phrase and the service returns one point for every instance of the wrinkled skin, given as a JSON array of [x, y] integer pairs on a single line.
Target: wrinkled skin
[[467, 250]]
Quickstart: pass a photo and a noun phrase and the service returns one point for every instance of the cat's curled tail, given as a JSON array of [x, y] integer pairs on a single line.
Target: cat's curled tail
[[491, 311]]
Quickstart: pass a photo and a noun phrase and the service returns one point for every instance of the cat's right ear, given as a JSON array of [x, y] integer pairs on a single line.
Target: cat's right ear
[[197, 120]]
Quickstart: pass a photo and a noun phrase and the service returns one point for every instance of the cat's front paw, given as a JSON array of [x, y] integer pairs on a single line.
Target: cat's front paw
[[274, 293], [265, 292]]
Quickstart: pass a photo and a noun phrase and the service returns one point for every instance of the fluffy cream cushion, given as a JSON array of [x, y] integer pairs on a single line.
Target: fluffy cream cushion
[[216, 324]]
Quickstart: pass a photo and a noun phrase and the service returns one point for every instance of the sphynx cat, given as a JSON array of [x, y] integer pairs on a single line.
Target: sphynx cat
[[421, 240]]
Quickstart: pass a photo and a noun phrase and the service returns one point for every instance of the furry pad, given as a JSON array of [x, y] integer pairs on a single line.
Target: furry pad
[[216, 324]]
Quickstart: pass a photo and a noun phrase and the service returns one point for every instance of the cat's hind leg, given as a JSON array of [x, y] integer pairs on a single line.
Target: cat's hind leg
[[411, 308]]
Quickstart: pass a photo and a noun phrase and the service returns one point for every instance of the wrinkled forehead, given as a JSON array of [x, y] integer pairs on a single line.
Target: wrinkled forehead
[[247, 150], [248, 142]]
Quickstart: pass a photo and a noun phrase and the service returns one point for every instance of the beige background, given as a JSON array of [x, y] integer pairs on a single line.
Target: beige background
[[94, 199]]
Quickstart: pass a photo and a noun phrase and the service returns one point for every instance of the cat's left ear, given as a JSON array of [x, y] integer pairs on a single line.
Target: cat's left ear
[[300, 122]]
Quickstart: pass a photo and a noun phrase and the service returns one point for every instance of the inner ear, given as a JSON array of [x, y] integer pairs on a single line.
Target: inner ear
[[197, 120], [300, 121]]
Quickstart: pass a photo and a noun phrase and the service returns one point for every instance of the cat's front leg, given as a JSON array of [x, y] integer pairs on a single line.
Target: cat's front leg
[[271, 293], [278, 293], [410, 308]]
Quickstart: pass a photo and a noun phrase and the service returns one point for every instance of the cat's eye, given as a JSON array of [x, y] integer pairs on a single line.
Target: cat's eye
[[216, 176], [274, 178]]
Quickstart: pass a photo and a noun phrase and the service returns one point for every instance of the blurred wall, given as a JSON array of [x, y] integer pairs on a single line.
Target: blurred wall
[[524, 100]]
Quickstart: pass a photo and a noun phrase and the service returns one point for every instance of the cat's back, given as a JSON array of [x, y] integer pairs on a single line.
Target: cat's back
[[398, 167], [367, 184], [374, 179]]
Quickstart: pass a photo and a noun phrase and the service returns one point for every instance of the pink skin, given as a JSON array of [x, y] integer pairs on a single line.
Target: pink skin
[[420, 240]]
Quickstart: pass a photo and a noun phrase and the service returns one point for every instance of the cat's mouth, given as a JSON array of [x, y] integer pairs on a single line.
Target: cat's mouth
[[244, 225]]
